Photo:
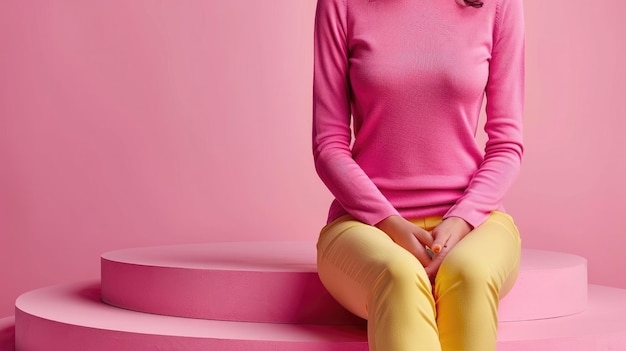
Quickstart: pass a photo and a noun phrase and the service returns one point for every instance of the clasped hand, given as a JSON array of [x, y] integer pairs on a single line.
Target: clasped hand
[[415, 239]]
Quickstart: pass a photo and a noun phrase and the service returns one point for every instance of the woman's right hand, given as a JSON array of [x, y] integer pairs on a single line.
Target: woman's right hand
[[409, 236]]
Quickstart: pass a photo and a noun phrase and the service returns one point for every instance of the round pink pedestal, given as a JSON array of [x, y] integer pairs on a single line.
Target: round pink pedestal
[[258, 296], [72, 318], [277, 282]]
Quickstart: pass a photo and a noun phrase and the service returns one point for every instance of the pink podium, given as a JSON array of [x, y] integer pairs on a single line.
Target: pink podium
[[267, 296]]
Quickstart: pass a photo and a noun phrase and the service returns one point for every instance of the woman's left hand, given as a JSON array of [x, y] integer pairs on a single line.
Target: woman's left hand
[[446, 235]]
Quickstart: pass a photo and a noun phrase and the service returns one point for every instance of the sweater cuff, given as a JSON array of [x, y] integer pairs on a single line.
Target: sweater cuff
[[375, 218], [472, 216]]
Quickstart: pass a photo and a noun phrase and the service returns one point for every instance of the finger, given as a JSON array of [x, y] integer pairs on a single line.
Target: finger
[[435, 263], [418, 250], [440, 242], [423, 237], [438, 247], [422, 256], [431, 270]]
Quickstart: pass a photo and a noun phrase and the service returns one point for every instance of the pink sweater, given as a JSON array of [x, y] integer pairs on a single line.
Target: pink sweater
[[411, 75]]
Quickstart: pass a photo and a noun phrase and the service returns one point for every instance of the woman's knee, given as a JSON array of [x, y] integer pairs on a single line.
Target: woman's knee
[[402, 274], [467, 273]]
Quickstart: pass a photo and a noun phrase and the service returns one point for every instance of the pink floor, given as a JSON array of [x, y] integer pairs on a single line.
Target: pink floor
[[266, 296]]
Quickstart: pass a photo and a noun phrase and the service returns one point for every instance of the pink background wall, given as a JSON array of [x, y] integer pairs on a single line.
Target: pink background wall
[[137, 123]]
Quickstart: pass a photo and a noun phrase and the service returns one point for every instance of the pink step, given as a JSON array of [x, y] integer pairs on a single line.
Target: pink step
[[601, 327], [7, 334], [72, 318], [244, 281], [277, 282], [550, 284]]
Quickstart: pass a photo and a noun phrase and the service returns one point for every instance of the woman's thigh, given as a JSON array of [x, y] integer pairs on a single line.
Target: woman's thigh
[[475, 274], [491, 251], [351, 258]]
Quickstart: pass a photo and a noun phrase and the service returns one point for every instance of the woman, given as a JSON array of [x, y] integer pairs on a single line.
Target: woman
[[417, 240]]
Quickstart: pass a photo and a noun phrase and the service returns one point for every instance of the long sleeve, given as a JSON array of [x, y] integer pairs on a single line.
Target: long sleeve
[[346, 180], [504, 109]]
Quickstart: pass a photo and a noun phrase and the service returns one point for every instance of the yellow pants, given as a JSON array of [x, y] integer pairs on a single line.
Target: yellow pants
[[376, 279]]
